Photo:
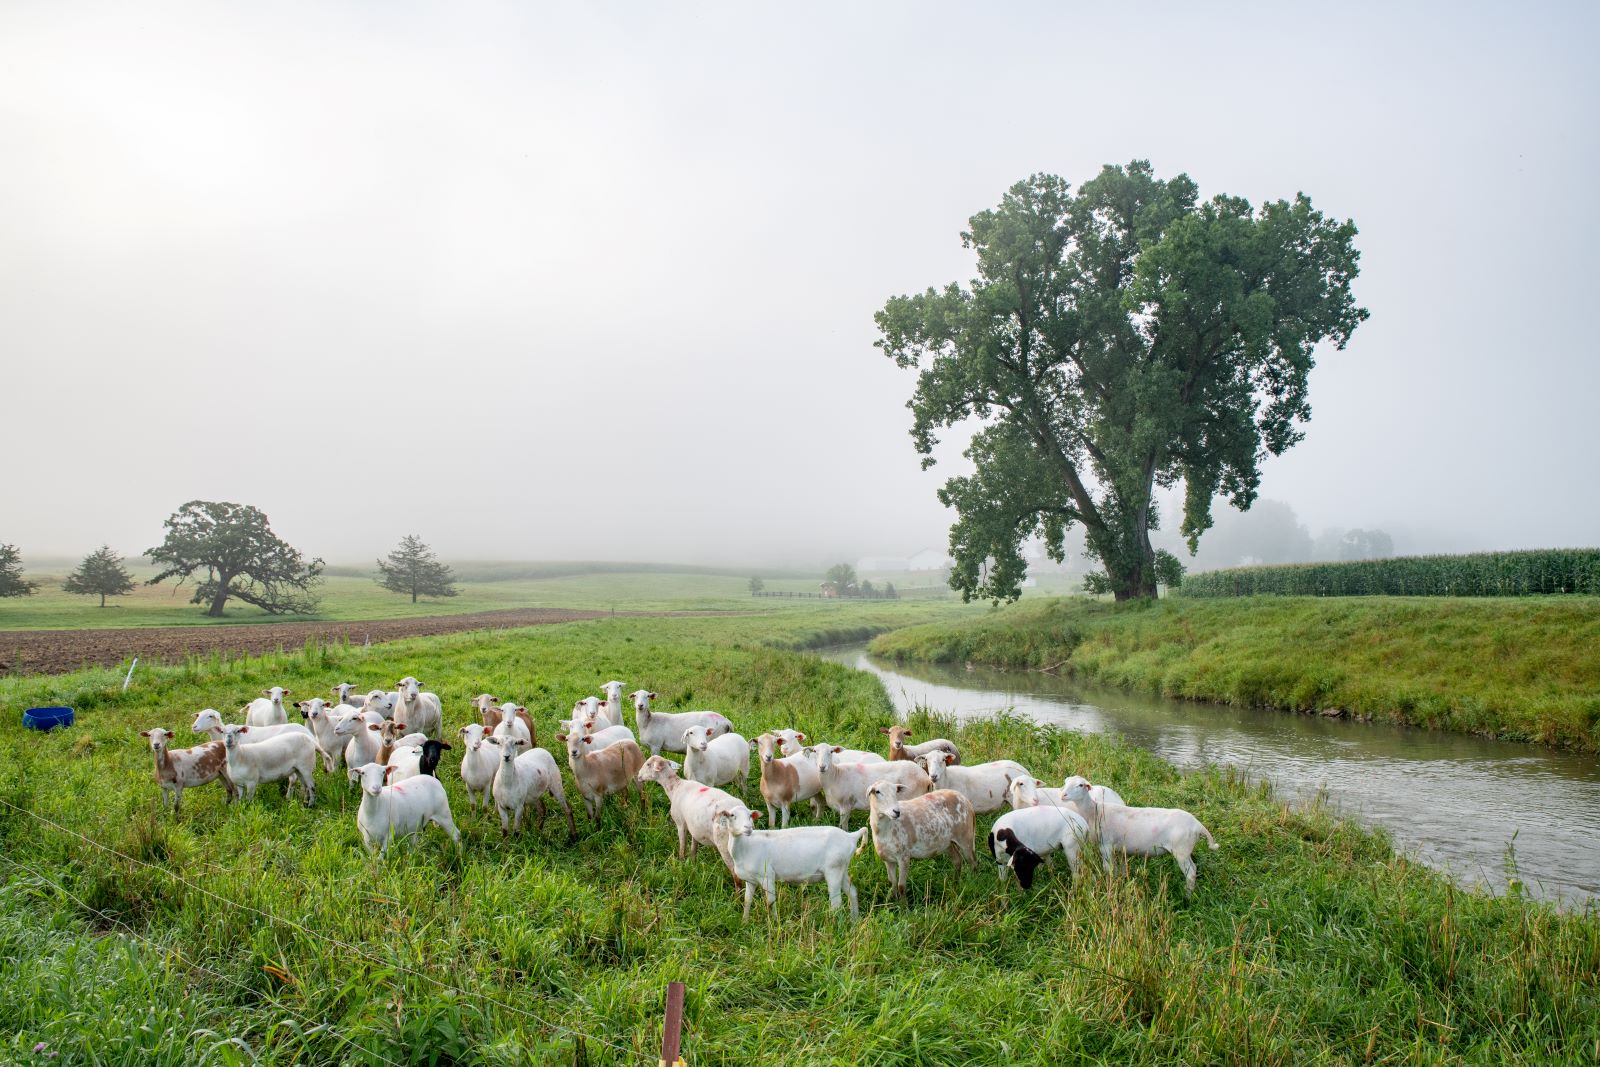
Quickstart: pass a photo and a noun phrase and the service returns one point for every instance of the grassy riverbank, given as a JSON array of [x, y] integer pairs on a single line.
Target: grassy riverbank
[[263, 932], [1523, 668]]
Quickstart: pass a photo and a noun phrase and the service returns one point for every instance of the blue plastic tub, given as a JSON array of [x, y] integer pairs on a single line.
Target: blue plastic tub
[[47, 718]]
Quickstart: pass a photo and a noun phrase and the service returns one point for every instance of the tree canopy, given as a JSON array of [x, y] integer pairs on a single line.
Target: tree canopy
[[1116, 340], [241, 557], [100, 572], [413, 568], [842, 578], [12, 583]]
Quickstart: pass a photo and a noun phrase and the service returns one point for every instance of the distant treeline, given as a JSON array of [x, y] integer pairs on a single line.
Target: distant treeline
[[1555, 570], [524, 570]]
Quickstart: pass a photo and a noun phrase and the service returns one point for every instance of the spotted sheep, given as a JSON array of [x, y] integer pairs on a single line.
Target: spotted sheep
[[985, 784], [185, 768], [845, 785], [913, 828]]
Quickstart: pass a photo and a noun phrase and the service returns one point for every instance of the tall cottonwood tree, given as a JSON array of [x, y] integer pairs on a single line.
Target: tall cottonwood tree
[[413, 568], [12, 583], [100, 572], [240, 556], [1115, 340]]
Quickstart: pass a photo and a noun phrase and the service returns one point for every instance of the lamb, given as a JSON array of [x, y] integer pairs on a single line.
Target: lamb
[[318, 717], [510, 720], [525, 778], [362, 739], [984, 784], [286, 758], [185, 768], [1085, 805], [393, 735], [599, 774], [692, 806], [346, 694], [267, 709], [845, 785], [898, 749], [803, 854], [388, 813], [422, 710], [380, 703], [1027, 792], [410, 760], [1019, 857], [713, 759], [793, 743], [788, 780], [913, 828], [478, 764], [664, 730], [613, 691], [1042, 829], [210, 722], [1143, 831]]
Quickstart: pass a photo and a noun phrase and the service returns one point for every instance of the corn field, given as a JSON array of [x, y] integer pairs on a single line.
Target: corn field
[[1560, 570]]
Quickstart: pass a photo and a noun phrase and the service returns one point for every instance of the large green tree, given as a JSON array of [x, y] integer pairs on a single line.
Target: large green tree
[[100, 572], [12, 583], [241, 558], [413, 568], [1116, 340]]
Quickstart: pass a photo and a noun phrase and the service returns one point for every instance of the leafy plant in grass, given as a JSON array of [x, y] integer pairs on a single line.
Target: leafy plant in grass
[[102, 573]]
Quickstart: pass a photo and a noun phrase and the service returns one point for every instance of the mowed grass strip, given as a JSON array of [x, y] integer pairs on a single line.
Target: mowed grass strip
[[1308, 939], [1520, 668]]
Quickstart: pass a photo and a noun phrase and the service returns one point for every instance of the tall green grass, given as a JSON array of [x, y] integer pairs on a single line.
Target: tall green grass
[[1307, 941], [1520, 669], [1543, 571]]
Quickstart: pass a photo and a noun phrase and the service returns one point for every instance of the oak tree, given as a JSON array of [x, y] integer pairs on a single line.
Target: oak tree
[[240, 556], [1122, 338]]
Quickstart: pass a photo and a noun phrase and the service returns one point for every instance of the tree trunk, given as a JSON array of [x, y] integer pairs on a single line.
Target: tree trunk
[[413, 594], [102, 600], [1137, 581], [221, 597]]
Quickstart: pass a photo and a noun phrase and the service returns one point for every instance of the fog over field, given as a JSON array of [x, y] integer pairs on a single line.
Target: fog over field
[[599, 284]]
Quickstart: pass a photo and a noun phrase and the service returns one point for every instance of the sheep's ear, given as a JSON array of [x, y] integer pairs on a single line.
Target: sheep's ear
[[144, 733], [387, 771], [561, 737], [462, 731], [883, 729], [244, 729], [373, 726], [443, 744], [652, 696], [399, 726], [836, 748], [754, 815], [266, 692], [354, 774], [286, 692], [799, 736], [1038, 783]]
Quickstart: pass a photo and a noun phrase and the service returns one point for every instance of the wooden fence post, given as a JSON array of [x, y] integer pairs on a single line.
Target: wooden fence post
[[672, 1026]]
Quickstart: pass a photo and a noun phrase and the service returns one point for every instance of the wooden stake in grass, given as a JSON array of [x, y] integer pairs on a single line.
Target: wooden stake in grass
[[672, 1026]]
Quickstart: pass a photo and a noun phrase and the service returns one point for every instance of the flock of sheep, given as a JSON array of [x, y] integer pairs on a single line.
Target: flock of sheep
[[921, 801]]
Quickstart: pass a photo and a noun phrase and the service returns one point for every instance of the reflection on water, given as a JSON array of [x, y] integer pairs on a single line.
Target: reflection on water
[[1451, 800]]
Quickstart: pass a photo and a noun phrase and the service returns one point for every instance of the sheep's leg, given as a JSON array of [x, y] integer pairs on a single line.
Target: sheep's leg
[[902, 877], [448, 825], [784, 808], [749, 898], [1186, 864], [516, 815], [505, 823], [836, 889], [683, 832], [538, 821], [816, 808], [844, 818], [850, 891]]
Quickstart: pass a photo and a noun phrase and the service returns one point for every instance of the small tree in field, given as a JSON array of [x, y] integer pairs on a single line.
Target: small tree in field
[[842, 577], [756, 585], [12, 583], [100, 572], [241, 557], [413, 568]]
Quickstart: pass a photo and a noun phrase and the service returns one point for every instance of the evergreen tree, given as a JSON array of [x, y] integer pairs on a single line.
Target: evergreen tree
[[12, 583], [413, 568], [100, 572]]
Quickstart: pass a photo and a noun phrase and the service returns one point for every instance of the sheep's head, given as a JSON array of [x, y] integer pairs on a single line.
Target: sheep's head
[[737, 822], [934, 763], [1023, 792], [159, 738], [642, 699], [372, 777], [789, 741], [767, 745], [230, 735], [1075, 788], [472, 736], [208, 720], [275, 694], [657, 769], [884, 798], [696, 738]]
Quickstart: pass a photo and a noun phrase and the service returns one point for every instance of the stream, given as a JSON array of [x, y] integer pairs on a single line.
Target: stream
[[1453, 801]]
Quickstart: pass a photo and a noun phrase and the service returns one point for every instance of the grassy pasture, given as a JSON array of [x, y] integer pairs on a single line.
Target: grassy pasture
[[1519, 668], [348, 597], [1308, 940]]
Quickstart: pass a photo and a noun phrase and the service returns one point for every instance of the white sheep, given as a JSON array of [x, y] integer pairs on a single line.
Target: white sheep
[[479, 762], [345, 693], [362, 737], [287, 758], [613, 691], [318, 714], [715, 759], [1143, 831], [692, 806], [178, 769], [798, 856], [421, 711], [1042, 828], [388, 813], [985, 784], [210, 722], [1085, 804], [267, 709], [524, 779], [510, 720], [906, 828], [661, 730], [898, 749], [792, 743], [845, 785]]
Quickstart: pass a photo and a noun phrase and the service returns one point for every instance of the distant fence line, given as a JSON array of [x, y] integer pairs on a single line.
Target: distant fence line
[[1476, 574], [876, 594]]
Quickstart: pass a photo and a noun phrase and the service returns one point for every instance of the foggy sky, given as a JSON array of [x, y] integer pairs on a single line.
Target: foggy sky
[[557, 283]]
